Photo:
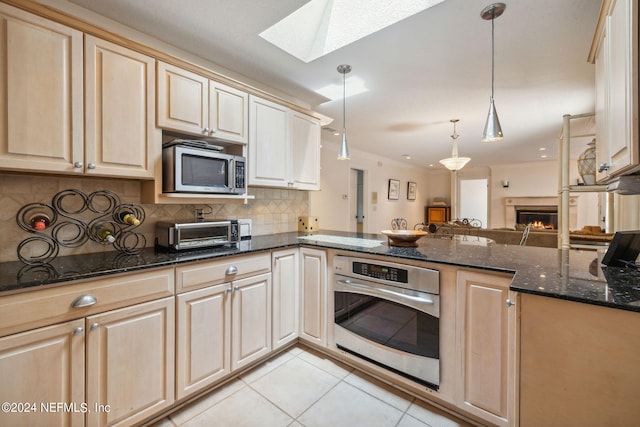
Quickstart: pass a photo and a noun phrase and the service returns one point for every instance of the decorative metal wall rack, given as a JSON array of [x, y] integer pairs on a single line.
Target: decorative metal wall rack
[[72, 219]]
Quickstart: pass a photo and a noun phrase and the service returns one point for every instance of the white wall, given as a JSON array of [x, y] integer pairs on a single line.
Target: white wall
[[331, 203]]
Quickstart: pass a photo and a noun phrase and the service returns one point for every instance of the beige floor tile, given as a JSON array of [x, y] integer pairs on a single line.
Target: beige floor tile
[[433, 416], [268, 366], [335, 368], [346, 405], [245, 408], [409, 421], [295, 385], [382, 391], [199, 406]]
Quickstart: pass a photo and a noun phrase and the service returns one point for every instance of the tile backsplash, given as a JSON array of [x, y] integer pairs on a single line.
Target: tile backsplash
[[272, 210]]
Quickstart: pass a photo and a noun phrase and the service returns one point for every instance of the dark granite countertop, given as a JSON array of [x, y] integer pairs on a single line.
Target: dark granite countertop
[[574, 275]]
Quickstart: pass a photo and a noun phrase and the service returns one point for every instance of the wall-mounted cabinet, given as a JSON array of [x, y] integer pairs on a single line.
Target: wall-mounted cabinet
[[191, 103], [41, 91], [284, 147], [615, 53]]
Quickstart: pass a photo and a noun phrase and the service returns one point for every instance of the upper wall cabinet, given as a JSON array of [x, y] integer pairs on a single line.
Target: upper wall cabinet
[[41, 90], [41, 99], [284, 147], [190, 103], [615, 54], [121, 136]]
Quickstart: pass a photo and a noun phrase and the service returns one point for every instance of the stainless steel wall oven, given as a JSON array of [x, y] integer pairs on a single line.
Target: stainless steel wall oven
[[389, 314]]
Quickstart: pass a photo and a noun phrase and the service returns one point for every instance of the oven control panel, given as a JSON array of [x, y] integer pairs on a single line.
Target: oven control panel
[[381, 272]]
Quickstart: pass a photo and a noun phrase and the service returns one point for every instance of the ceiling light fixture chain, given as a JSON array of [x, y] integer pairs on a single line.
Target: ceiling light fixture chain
[[343, 154], [492, 129]]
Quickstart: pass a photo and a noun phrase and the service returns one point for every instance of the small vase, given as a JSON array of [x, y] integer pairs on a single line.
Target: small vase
[[587, 164]]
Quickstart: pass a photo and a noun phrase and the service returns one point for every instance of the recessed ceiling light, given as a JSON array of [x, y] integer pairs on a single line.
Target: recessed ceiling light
[[320, 26], [406, 156], [542, 148], [544, 156]]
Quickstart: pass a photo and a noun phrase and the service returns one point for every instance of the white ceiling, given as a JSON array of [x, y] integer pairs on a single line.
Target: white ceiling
[[421, 72]]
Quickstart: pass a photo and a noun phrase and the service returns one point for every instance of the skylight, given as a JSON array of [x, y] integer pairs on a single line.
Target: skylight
[[322, 26]]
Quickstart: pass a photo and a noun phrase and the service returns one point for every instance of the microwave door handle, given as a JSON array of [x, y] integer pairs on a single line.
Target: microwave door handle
[[386, 291]]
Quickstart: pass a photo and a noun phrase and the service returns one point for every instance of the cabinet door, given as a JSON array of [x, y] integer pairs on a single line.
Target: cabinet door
[[41, 124], [183, 100], [228, 113], [120, 111], [286, 301], [487, 334], [251, 320], [43, 367], [305, 151], [130, 362], [623, 85], [313, 295], [203, 338], [269, 149], [602, 94]]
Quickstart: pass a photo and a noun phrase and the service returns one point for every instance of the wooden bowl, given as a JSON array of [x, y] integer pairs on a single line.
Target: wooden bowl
[[406, 238]]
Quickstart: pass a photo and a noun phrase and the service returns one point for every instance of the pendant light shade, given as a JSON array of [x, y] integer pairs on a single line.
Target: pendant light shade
[[343, 154], [454, 163], [492, 129]]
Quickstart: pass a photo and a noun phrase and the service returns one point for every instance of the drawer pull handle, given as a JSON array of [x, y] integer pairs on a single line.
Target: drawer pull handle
[[231, 270], [84, 301]]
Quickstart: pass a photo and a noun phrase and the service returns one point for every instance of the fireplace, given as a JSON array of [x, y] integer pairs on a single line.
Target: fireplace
[[540, 217], [520, 211]]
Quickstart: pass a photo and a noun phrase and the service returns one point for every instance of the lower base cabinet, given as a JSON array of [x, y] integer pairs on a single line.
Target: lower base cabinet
[[313, 296], [129, 369], [42, 366], [487, 336], [286, 305], [130, 363], [221, 328]]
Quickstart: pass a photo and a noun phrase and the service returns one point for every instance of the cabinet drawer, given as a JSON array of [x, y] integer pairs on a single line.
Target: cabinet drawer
[[32, 309], [207, 273]]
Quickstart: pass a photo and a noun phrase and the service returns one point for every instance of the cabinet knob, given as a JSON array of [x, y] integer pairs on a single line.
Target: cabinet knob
[[94, 326], [231, 270], [236, 288], [78, 165], [78, 331], [229, 290], [603, 167], [84, 301], [206, 130], [510, 303], [91, 166], [212, 130]]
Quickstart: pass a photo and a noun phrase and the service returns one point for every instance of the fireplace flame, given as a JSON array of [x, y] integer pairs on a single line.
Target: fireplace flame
[[540, 225]]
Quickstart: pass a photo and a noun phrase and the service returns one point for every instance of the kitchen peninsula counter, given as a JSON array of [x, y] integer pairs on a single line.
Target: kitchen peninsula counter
[[574, 275]]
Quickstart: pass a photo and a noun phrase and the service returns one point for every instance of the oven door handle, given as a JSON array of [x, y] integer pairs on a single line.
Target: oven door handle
[[387, 291]]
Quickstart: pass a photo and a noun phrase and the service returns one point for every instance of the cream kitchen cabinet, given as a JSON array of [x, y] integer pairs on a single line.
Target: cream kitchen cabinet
[[487, 333], [313, 296], [284, 147], [121, 138], [615, 53], [286, 299], [130, 362], [191, 103], [41, 94], [40, 367], [223, 318]]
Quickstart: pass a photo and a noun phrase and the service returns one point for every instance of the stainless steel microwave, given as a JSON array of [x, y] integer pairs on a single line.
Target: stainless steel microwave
[[196, 167]]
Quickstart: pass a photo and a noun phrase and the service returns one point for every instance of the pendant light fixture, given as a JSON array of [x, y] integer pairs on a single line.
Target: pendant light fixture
[[343, 154], [455, 163], [492, 130]]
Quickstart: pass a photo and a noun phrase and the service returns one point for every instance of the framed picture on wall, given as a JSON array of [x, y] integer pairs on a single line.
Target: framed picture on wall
[[412, 187], [394, 189]]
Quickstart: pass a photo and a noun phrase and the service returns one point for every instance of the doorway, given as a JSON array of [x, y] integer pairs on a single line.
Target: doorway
[[474, 200], [356, 206]]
